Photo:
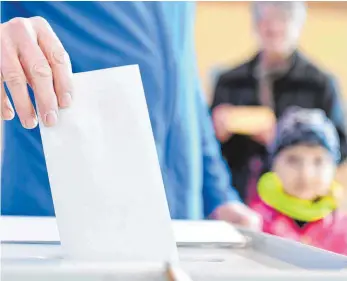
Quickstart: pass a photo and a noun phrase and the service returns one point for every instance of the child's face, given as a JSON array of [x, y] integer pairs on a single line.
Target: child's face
[[306, 171]]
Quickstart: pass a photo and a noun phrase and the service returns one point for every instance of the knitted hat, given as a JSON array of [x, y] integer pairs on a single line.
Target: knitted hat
[[306, 126]]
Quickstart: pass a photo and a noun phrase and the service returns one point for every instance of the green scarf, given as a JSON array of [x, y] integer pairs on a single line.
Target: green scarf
[[271, 192]]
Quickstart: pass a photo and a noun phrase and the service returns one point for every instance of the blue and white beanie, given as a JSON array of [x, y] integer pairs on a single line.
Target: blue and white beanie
[[306, 126]]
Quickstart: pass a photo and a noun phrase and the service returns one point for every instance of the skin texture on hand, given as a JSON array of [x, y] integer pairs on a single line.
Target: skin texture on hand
[[220, 116], [266, 137], [238, 214], [31, 54]]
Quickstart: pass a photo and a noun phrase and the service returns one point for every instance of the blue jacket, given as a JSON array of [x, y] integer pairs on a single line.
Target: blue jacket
[[159, 37]]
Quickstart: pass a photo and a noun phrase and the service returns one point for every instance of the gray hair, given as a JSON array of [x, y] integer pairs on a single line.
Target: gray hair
[[295, 9]]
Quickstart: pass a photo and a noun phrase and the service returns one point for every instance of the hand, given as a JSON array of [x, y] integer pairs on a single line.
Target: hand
[[220, 116], [266, 137], [238, 214], [32, 53]]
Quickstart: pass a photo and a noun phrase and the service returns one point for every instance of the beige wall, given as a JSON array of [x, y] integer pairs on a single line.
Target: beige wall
[[224, 37]]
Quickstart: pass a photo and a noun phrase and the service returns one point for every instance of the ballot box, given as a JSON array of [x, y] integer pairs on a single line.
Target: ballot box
[[36, 255]]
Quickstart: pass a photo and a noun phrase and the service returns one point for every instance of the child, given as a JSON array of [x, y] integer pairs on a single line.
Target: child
[[298, 199]]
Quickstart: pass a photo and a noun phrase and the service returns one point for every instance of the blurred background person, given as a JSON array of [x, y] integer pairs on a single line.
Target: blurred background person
[[277, 77], [299, 199]]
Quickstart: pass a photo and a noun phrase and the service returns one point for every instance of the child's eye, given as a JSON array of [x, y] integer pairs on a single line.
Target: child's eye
[[318, 161], [291, 159]]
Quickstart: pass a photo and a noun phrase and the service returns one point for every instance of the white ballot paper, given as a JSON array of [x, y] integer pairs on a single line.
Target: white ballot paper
[[104, 172]]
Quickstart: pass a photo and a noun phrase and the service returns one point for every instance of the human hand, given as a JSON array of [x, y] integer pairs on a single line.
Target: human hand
[[220, 117], [265, 137], [32, 54], [239, 214]]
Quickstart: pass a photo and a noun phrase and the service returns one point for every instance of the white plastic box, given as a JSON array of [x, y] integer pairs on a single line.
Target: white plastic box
[[264, 258]]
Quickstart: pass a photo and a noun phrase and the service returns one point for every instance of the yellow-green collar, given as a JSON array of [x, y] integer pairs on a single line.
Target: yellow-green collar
[[271, 192]]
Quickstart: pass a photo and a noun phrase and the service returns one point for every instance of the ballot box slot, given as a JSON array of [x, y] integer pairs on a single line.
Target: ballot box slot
[[217, 245], [30, 242], [210, 245], [212, 260]]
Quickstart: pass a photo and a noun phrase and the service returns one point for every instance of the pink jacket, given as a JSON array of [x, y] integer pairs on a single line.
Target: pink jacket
[[329, 233]]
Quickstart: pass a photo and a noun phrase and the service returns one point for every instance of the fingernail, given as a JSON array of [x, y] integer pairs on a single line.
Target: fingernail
[[7, 113], [30, 123], [51, 118], [65, 100]]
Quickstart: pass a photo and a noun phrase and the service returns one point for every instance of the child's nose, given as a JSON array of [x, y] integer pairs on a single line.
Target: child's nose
[[307, 174]]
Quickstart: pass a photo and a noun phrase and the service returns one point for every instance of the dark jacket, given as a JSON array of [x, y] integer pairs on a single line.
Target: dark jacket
[[303, 85]]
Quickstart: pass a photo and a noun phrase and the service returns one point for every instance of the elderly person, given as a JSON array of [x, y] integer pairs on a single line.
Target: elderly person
[[278, 76]]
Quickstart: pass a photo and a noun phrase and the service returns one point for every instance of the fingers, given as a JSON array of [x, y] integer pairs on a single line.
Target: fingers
[[239, 214], [7, 112], [253, 221], [265, 137], [58, 60], [32, 53], [38, 72], [248, 219], [15, 80]]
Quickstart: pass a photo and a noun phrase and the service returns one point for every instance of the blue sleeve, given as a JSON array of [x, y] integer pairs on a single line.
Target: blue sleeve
[[217, 188]]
